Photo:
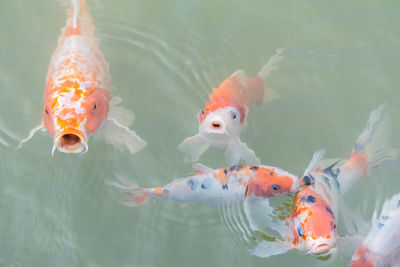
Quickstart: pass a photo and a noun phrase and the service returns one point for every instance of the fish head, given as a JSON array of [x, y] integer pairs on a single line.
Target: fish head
[[220, 124], [71, 114], [314, 222]]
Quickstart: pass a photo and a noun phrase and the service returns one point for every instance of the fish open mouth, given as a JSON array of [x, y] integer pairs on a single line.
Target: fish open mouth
[[70, 141]]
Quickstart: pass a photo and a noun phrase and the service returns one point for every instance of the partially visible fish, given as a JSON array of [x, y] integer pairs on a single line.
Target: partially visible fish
[[215, 188], [224, 116], [77, 102], [312, 227], [381, 247]]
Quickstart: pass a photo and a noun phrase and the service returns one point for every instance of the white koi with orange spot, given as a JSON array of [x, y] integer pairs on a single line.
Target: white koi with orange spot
[[77, 102], [381, 247], [219, 187]]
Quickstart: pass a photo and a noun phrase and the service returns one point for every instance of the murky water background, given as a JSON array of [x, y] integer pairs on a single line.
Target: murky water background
[[341, 61]]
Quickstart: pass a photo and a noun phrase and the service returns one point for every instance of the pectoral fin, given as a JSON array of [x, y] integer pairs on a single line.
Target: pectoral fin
[[266, 249], [194, 147], [120, 136], [31, 134], [237, 150], [120, 114]]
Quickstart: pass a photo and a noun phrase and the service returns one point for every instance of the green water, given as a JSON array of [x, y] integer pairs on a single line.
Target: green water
[[341, 61]]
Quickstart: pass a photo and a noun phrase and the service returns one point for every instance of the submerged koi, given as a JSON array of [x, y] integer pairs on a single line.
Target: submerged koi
[[76, 99], [224, 115], [381, 247], [311, 228], [219, 187]]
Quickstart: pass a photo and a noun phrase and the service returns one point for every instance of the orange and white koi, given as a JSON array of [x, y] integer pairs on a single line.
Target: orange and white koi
[[381, 247], [224, 116], [76, 99], [311, 228], [218, 187]]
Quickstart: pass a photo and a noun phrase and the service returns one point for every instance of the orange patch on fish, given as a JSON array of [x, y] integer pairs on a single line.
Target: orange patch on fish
[[266, 183], [360, 160], [232, 92]]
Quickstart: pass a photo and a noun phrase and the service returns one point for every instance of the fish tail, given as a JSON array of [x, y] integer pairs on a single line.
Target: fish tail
[[258, 86], [80, 21], [137, 197], [372, 146]]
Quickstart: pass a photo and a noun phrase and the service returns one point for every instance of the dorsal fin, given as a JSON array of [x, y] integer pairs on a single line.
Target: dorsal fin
[[201, 168], [314, 161]]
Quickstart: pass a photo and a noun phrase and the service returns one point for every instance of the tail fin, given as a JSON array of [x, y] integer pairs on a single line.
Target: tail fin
[[271, 65], [79, 20], [371, 147], [258, 83], [137, 196]]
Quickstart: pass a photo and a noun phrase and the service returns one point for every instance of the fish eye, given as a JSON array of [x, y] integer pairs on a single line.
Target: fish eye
[[300, 231], [234, 115], [46, 111], [202, 112], [94, 107]]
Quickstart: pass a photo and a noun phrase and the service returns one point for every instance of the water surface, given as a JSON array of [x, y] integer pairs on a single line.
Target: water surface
[[341, 62]]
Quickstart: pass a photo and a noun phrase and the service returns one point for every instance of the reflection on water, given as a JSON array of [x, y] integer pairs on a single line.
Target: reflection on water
[[340, 63]]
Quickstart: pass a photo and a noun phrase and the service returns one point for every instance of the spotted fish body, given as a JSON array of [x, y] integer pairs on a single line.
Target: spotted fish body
[[76, 95], [222, 186], [76, 99], [313, 222], [381, 247]]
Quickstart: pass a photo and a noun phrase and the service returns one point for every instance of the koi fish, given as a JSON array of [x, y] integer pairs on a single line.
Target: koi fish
[[215, 188], [311, 228], [224, 116], [77, 102], [381, 247]]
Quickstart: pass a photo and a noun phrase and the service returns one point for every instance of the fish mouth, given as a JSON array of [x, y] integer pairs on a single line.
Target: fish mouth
[[321, 249], [70, 140]]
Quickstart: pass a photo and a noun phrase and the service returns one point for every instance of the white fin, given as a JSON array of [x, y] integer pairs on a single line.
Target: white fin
[[317, 156], [31, 134], [120, 136], [115, 100], [266, 249], [272, 64], [375, 138], [202, 168], [270, 94], [121, 115], [194, 147], [237, 150]]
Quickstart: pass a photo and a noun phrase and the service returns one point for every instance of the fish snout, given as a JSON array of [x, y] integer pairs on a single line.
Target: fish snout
[[70, 140], [321, 248]]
